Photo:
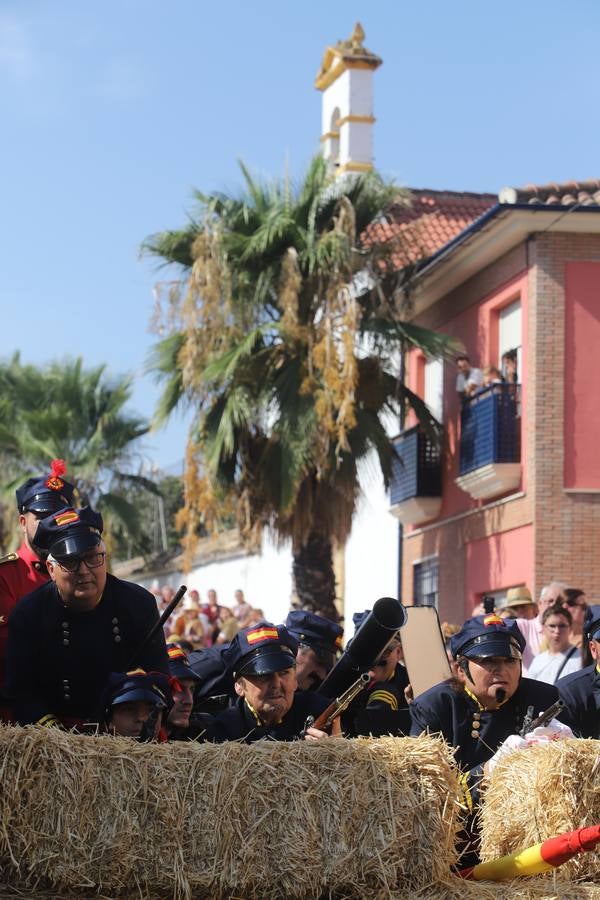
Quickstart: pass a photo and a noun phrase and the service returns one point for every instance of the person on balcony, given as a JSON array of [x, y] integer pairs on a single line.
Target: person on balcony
[[509, 367], [492, 375], [468, 378]]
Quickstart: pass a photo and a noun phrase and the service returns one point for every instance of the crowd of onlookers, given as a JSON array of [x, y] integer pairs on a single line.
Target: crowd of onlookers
[[553, 628], [195, 624]]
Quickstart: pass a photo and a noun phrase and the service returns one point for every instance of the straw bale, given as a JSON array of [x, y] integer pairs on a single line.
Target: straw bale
[[538, 793], [84, 815]]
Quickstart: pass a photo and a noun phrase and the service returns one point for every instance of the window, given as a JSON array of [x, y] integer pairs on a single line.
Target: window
[[434, 388], [425, 582], [509, 335]]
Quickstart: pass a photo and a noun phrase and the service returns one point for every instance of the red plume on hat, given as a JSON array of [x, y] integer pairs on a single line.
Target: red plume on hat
[[58, 467]]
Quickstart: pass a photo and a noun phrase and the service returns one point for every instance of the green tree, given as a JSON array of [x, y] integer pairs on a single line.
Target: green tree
[[284, 336], [65, 411]]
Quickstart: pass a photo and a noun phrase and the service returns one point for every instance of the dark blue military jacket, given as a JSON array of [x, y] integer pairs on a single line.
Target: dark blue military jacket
[[581, 694], [58, 661], [240, 723], [476, 733], [382, 709]]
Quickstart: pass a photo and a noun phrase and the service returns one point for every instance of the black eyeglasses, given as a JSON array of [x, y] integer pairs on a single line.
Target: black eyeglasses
[[572, 601], [72, 564]]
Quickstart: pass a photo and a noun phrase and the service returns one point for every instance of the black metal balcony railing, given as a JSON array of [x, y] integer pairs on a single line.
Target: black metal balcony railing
[[416, 466], [490, 428]]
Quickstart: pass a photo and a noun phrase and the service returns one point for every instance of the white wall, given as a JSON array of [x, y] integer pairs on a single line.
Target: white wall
[[266, 580], [372, 550]]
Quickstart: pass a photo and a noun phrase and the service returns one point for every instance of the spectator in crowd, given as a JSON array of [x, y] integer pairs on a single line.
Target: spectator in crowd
[[574, 600], [188, 624], [135, 703], [256, 616], [532, 629], [561, 657], [229, 627], [520, 603], [212, 611], [468, 378], [241, 608]]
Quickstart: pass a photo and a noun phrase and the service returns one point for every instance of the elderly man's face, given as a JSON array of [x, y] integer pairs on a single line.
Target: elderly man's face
[[82, 589], [271, 696]]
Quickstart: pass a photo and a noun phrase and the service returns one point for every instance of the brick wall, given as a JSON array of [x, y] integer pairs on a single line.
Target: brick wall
[[567, 525]]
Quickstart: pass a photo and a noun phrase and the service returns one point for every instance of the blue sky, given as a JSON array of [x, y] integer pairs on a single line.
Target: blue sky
[[113, 111]]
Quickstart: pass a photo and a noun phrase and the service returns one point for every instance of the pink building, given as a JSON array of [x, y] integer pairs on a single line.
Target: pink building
[[513, 495]]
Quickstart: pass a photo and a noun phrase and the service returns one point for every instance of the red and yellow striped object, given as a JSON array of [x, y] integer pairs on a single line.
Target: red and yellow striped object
[[537, 859], [262, 634]]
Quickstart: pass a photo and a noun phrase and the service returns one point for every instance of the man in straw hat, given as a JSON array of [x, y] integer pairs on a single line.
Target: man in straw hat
[[65, 637], [581, 690], [520, 602], [262, 663]]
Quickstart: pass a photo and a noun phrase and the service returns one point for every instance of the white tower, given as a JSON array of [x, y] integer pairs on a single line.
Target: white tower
[[346, 80]]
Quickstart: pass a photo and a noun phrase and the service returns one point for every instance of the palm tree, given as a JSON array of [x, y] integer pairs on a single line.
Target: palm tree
[[65, 411], [284, 336]]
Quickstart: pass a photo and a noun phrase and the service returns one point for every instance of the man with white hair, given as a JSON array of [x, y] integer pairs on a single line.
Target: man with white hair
[[533, 629]]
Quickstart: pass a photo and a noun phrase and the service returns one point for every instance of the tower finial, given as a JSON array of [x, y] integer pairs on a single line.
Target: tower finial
[[357, 37]]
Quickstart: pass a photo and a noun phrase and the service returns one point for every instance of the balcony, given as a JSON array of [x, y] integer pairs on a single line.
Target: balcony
[[490, 442], [416, 487]]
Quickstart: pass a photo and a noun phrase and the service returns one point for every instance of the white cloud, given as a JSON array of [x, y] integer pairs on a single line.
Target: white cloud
[[17, 58]]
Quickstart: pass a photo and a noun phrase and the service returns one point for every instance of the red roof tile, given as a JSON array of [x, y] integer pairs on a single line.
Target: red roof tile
[[431, 220], [569, 193]]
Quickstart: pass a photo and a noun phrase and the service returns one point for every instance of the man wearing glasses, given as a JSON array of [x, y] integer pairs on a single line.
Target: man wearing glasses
[[65, 637], [581, 691], [561, 657]]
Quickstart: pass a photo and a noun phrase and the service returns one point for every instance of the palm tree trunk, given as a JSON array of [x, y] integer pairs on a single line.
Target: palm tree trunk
[[314, 579]]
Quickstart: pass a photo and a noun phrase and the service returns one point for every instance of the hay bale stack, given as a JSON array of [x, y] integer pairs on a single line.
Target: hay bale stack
[[538, 793], [359, 818]]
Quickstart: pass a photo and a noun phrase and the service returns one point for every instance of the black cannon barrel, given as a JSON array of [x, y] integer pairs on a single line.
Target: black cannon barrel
[[373, 636]]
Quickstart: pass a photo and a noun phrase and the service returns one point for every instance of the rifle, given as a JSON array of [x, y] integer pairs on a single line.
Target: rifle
[[529, 723], [134, 659], [381, 625], [326, 719]]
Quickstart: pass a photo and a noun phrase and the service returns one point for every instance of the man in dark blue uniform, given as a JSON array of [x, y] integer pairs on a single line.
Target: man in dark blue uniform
[[24, 570], [488, 702], [183, 687], [262, 664], [382, 708], [69, 634], [319, 642], [136, 704], [581, 690]]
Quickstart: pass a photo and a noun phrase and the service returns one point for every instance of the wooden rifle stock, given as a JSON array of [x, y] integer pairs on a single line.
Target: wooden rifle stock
[[326, 719]]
